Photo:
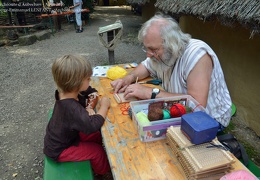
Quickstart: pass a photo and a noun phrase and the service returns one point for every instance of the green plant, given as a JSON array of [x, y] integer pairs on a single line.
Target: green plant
[[230, 128], [2, 10]]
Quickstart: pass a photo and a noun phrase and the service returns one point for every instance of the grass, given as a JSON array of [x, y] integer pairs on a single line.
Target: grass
[[250, 150], [131, 38]]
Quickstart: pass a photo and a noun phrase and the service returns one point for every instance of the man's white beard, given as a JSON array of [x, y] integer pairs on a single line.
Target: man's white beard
[[166, 59]]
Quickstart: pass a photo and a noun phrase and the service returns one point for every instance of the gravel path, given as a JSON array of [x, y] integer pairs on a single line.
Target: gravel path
[[27, 88]]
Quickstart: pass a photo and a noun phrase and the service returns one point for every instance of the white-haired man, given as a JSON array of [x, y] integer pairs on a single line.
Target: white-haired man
[[185, 66]]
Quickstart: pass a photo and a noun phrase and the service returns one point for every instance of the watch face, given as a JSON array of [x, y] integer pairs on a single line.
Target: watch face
[[156, 90]]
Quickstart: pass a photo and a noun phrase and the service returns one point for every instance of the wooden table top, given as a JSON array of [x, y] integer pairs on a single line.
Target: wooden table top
[[62, 13], [130, 158]]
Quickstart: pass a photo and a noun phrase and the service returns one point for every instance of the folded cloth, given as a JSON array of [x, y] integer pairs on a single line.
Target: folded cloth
[[240, 174]]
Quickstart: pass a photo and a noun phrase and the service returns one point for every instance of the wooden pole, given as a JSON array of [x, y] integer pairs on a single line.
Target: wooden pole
[[9, 18], [111, 55]]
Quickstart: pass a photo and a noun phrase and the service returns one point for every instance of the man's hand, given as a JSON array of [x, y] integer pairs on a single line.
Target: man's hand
[[120, 85], [138, 91]]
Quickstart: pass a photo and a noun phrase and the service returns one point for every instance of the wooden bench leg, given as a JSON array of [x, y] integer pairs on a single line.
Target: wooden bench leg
[[26, 30], [51, 25], [88, 19]]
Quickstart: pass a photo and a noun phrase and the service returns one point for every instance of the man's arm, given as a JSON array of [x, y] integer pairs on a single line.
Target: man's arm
[[198, 81], [140, 71]]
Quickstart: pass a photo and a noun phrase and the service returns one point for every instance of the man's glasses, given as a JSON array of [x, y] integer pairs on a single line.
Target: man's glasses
[[151, 51]]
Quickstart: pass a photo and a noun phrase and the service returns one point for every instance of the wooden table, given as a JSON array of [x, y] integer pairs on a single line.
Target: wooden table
[[129, 157], [62, 13], [59, 14]]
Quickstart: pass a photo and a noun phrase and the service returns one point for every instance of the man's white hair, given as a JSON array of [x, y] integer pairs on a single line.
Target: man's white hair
[[174, 40]]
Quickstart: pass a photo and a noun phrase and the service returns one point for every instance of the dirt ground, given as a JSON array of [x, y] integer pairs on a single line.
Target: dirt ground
[[27, 89], [247, 137]]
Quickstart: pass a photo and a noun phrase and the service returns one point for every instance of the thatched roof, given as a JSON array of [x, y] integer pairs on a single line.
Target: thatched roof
[[246, 12], [137, 1]]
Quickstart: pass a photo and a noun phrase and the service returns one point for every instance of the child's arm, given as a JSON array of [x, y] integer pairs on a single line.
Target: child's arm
[[77, 4]]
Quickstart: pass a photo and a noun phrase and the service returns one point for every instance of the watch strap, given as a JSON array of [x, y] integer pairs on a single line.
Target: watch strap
[[153, 95]]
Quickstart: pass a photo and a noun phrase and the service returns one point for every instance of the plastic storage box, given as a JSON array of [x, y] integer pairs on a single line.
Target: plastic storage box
[[199, 127], [156, 130]]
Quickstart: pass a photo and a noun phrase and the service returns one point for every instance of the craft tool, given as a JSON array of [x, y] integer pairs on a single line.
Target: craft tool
[[153, 81]]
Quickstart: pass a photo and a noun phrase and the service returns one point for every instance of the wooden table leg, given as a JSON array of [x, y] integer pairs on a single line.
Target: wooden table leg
[[51, 25]]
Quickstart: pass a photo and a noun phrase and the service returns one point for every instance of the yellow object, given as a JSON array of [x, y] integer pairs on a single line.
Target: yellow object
[[116, 72]]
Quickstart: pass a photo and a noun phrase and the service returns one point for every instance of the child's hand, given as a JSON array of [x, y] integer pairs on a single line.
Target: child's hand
[[90, 111], [104, 106], [105, 102]]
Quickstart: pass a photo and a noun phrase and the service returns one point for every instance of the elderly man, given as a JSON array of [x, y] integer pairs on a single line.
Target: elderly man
[[185, 66]]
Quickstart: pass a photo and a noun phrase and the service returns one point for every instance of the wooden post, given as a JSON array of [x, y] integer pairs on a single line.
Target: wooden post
[[9, 18], [111, 56]]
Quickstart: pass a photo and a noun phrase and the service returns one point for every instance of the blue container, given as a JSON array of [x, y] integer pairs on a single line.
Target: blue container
[[199, 127]]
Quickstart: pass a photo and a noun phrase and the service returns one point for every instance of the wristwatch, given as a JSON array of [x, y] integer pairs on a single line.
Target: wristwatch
[[155, 91]]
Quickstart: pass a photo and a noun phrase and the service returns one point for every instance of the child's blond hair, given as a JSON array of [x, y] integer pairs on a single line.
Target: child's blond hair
[[69, 71]]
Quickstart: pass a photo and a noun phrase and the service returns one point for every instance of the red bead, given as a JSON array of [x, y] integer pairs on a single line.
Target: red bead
[[177, 110]]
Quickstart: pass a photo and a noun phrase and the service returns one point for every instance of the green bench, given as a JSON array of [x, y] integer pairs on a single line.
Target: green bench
[[66, 170]]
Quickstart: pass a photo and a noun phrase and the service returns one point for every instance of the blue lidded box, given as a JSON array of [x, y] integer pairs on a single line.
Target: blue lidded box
[[199, 127]]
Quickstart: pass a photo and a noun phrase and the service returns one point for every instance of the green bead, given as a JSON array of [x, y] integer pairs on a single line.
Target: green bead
[[166, 114]]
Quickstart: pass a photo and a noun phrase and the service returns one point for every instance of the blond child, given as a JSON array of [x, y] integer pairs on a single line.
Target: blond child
[[73, 132]]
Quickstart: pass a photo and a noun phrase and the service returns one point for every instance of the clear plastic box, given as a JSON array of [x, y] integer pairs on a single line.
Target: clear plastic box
[[156, 130]]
